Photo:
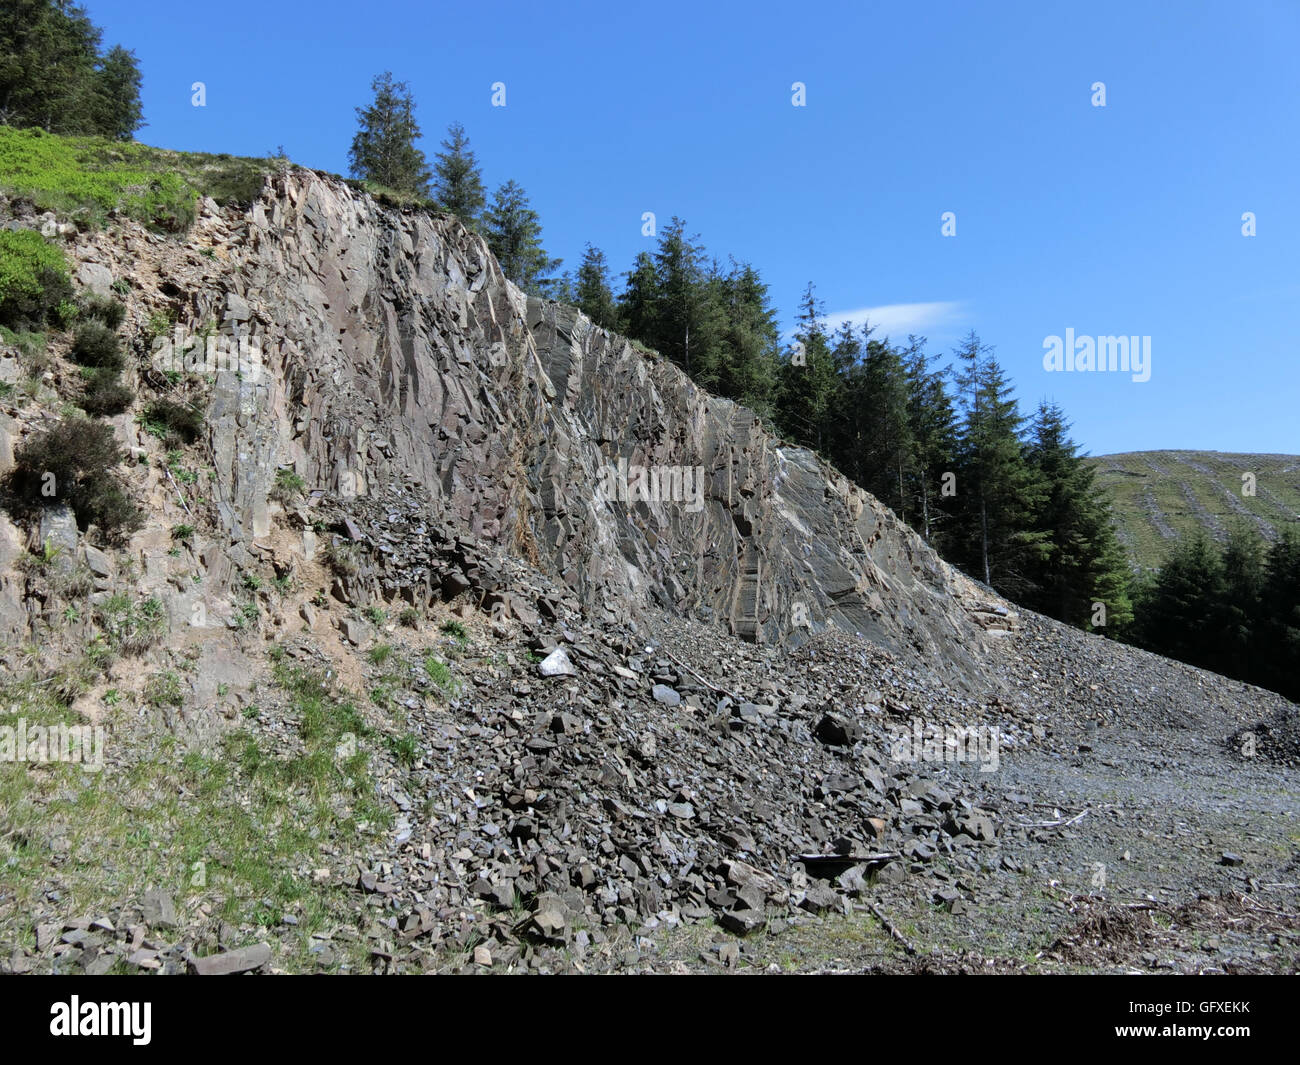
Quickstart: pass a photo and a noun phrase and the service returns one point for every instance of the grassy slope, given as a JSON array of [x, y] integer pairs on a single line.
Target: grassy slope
[[86, 177], [1161, 495]]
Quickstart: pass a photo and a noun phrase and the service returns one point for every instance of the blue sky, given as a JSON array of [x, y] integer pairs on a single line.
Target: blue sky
[[1123, 219]]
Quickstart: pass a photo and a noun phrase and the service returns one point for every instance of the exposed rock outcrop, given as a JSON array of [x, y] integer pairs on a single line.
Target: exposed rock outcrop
[[428, 400]]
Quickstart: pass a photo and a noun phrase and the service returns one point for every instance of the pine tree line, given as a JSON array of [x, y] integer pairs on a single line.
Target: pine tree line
[[384, 152], [1234, 610]]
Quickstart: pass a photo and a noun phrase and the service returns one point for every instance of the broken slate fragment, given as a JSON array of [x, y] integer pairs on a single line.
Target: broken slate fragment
[[158, 909], [835, 731], [666, 695], [233, 961]]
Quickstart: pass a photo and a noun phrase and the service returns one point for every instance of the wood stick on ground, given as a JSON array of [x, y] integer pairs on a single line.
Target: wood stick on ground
[[889, 927], [707, 684], [1056, 824]]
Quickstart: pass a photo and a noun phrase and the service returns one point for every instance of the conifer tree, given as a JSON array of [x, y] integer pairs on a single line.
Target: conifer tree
[[591, 289], [679, 273], [932, 421], [996, 487], [384, 150], [52, 74], [1278, 627], [887, 446], [1239, 612], [1077, 558], [458, 181], [639, 303], [1178, 614], [514, 234], [118, 113], [750, 340], [808, 379]]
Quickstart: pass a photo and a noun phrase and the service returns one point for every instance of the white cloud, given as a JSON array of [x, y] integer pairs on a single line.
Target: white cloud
[[897, 320]]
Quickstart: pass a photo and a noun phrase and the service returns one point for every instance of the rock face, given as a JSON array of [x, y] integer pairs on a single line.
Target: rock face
[[447, 420]]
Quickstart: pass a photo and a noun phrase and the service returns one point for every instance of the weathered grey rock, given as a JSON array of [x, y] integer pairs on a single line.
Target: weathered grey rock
[[96, 277], [742, 922], [664, 694], [820, 898], [355, 631], [100, 564], [236, 308], [836, 731], [57, 530], [233, 961], [158, 910], [502, 415]]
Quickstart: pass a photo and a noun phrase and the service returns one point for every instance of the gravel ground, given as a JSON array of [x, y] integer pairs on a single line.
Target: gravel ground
[[672, 799]]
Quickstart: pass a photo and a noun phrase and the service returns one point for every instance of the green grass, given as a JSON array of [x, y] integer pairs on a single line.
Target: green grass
[[92, 175], [131, 626], [164, 689], [440, 674], [231, 827], [1161, 496]]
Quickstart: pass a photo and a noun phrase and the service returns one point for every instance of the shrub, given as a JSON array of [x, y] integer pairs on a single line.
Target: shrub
[[176, 423], [237, 182], [410, 617], [103, 393], [95, 344], [288, 486], [160, 324], [34, 281], [103, 309], [72, 463]]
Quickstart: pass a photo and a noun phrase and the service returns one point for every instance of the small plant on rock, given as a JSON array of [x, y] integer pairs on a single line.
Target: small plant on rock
[[288, 487]]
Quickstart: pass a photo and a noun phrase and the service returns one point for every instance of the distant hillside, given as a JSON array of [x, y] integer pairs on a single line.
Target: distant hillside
[[1159, 496]]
